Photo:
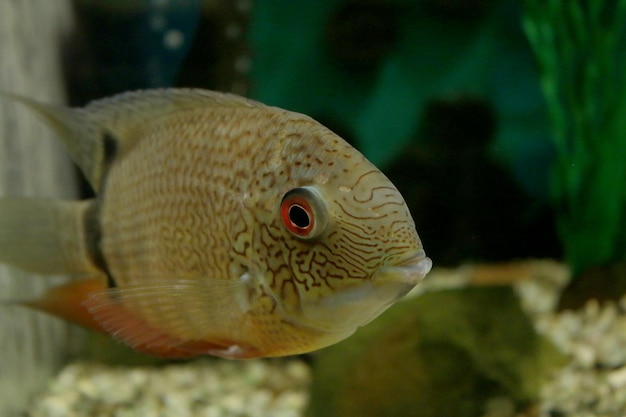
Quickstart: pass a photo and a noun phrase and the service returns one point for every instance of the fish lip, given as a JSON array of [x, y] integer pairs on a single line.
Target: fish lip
[[412, 258], [412, 269]]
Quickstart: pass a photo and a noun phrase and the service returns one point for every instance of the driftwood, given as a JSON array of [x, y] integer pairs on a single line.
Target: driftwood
[[32, 163]]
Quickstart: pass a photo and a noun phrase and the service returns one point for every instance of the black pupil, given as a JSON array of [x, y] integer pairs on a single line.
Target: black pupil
[[299, 216]]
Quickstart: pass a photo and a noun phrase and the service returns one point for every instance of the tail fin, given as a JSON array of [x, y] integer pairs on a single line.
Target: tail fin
[[45, 236]]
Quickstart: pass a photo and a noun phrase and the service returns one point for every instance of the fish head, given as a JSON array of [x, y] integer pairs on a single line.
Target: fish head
[[349, 258], [345, 246]]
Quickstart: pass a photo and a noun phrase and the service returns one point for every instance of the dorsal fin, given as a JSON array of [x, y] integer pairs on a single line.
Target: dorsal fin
[[80, 136], [92, 132], [128, 108]]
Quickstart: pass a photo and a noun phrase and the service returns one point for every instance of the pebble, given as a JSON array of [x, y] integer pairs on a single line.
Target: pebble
[[201, 388], [593, 381]]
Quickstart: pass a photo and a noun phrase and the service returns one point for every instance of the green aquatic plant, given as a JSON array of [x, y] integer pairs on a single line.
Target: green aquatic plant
[[579, 47]]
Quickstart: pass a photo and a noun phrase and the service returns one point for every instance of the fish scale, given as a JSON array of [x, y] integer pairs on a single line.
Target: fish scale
[[142, 206], [221, 226]]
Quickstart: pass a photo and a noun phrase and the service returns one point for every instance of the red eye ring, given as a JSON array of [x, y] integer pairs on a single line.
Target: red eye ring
[[297, 215], [303, 213]]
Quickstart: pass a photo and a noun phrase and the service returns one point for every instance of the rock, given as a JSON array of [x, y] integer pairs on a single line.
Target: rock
[[605, 282], [444, 353]]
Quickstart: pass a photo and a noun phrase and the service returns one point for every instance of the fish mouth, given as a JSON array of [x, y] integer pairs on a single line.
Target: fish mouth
[[409, 271], [394, 280], [355, 306]]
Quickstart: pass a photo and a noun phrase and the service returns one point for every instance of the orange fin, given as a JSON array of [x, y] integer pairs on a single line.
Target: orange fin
[[109, 311], [92, 304], [66, 301]]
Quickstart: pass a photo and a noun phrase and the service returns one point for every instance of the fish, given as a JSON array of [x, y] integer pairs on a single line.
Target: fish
[[220, 226]]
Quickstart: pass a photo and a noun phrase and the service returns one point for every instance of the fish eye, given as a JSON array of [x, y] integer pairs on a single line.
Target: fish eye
[[303, 212]]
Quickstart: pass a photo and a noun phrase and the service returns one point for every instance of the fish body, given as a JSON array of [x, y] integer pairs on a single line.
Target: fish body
[[220, 226]]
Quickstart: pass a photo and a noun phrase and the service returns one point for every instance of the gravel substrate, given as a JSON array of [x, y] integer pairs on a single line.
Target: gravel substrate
[[202, 388], [591, 384]]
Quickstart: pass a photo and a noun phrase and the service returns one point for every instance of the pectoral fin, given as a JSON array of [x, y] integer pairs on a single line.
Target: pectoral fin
[[90, 303], [206, 306]]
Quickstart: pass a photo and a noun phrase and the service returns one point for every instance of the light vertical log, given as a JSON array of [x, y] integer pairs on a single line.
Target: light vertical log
[[32, 163]]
